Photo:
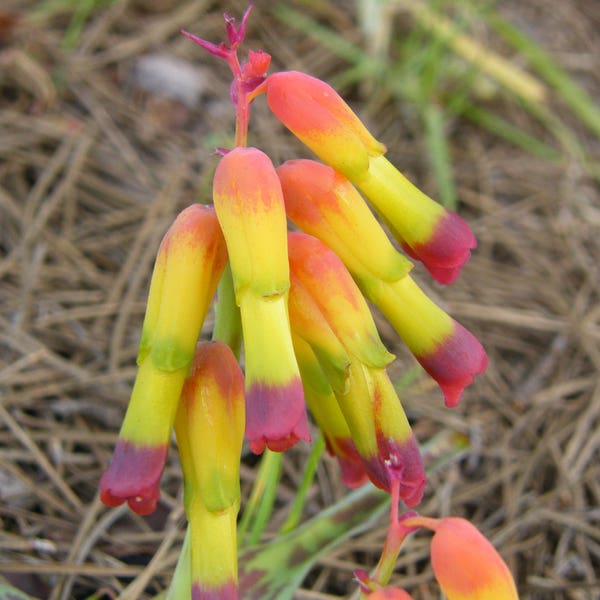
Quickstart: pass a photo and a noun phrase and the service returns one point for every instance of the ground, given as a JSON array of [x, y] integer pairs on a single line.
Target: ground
[[101, 146]]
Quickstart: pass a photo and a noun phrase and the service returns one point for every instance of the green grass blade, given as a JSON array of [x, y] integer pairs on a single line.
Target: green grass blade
[[439, 155], [262, 499], [571, 93], [295, 514]]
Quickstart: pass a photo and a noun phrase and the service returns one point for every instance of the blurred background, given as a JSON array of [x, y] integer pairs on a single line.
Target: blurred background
[[108, 123]]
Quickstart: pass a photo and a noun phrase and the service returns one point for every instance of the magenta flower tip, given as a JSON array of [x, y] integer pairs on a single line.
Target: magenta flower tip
[[133, 476], [276, 416], [354, 474], [455, 363], [447, 251], [402, 462], [227, 591]]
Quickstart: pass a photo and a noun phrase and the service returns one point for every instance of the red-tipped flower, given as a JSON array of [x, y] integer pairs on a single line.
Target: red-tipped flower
[[319, 117], [190, 261], [249, 204]]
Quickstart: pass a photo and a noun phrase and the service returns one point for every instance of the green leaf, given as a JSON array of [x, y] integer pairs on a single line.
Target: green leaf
[[7, 592]]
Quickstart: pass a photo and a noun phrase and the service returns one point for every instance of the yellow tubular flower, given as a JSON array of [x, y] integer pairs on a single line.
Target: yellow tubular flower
[[190, 260], [249, 204]]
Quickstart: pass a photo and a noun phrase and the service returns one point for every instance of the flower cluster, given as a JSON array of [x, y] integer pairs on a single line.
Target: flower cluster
[[309, 338]]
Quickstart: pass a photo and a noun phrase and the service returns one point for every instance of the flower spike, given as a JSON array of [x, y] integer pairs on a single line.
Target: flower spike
[[249, 204], [190, 261]]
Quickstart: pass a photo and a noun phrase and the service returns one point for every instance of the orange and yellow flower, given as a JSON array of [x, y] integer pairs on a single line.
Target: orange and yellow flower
[[210, 430], [190, 261], [465, 563], [249, 204], [320, 118]]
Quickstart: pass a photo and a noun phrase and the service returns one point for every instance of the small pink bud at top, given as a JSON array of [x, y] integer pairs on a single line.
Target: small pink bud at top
[[257, 65], [465, 563], [314, 112]]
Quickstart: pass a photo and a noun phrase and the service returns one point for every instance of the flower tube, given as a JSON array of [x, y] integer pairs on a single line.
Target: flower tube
[[324, 407], [210, 430], [320, 118], [190, 261], [446, 350], [368, 402], [250, 208]]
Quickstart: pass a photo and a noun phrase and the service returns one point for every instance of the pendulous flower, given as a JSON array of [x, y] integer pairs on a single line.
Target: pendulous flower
[[320, 118], [327, 414], [464, 562], [210, 431], [324, 203], [249, 204], [190, 261]]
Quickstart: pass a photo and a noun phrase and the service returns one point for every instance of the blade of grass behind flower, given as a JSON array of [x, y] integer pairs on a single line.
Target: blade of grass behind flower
[[572, 94], [297, 508], [439, 154], [262, 499]]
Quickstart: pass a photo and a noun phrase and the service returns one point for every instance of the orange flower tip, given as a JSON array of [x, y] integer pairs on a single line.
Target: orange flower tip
[[399, 461], [133, 476], [276, 416], [353, 470], [467, 565], [448, 249], [455, 363], [227, 591]]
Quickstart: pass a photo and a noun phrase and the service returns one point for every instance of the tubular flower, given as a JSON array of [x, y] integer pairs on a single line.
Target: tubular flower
[[465, 563], [381, 432], [210, 431], [320, 118], [324, 407], [324, 204], [190, 261], [323, 275], [249, 204], [445, 349]]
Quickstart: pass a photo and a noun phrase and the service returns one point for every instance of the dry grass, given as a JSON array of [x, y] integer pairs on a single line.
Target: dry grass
[[93, 170]]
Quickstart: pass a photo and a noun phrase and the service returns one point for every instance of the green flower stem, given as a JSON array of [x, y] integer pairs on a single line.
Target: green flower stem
[[228, 323], [295, 514]]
